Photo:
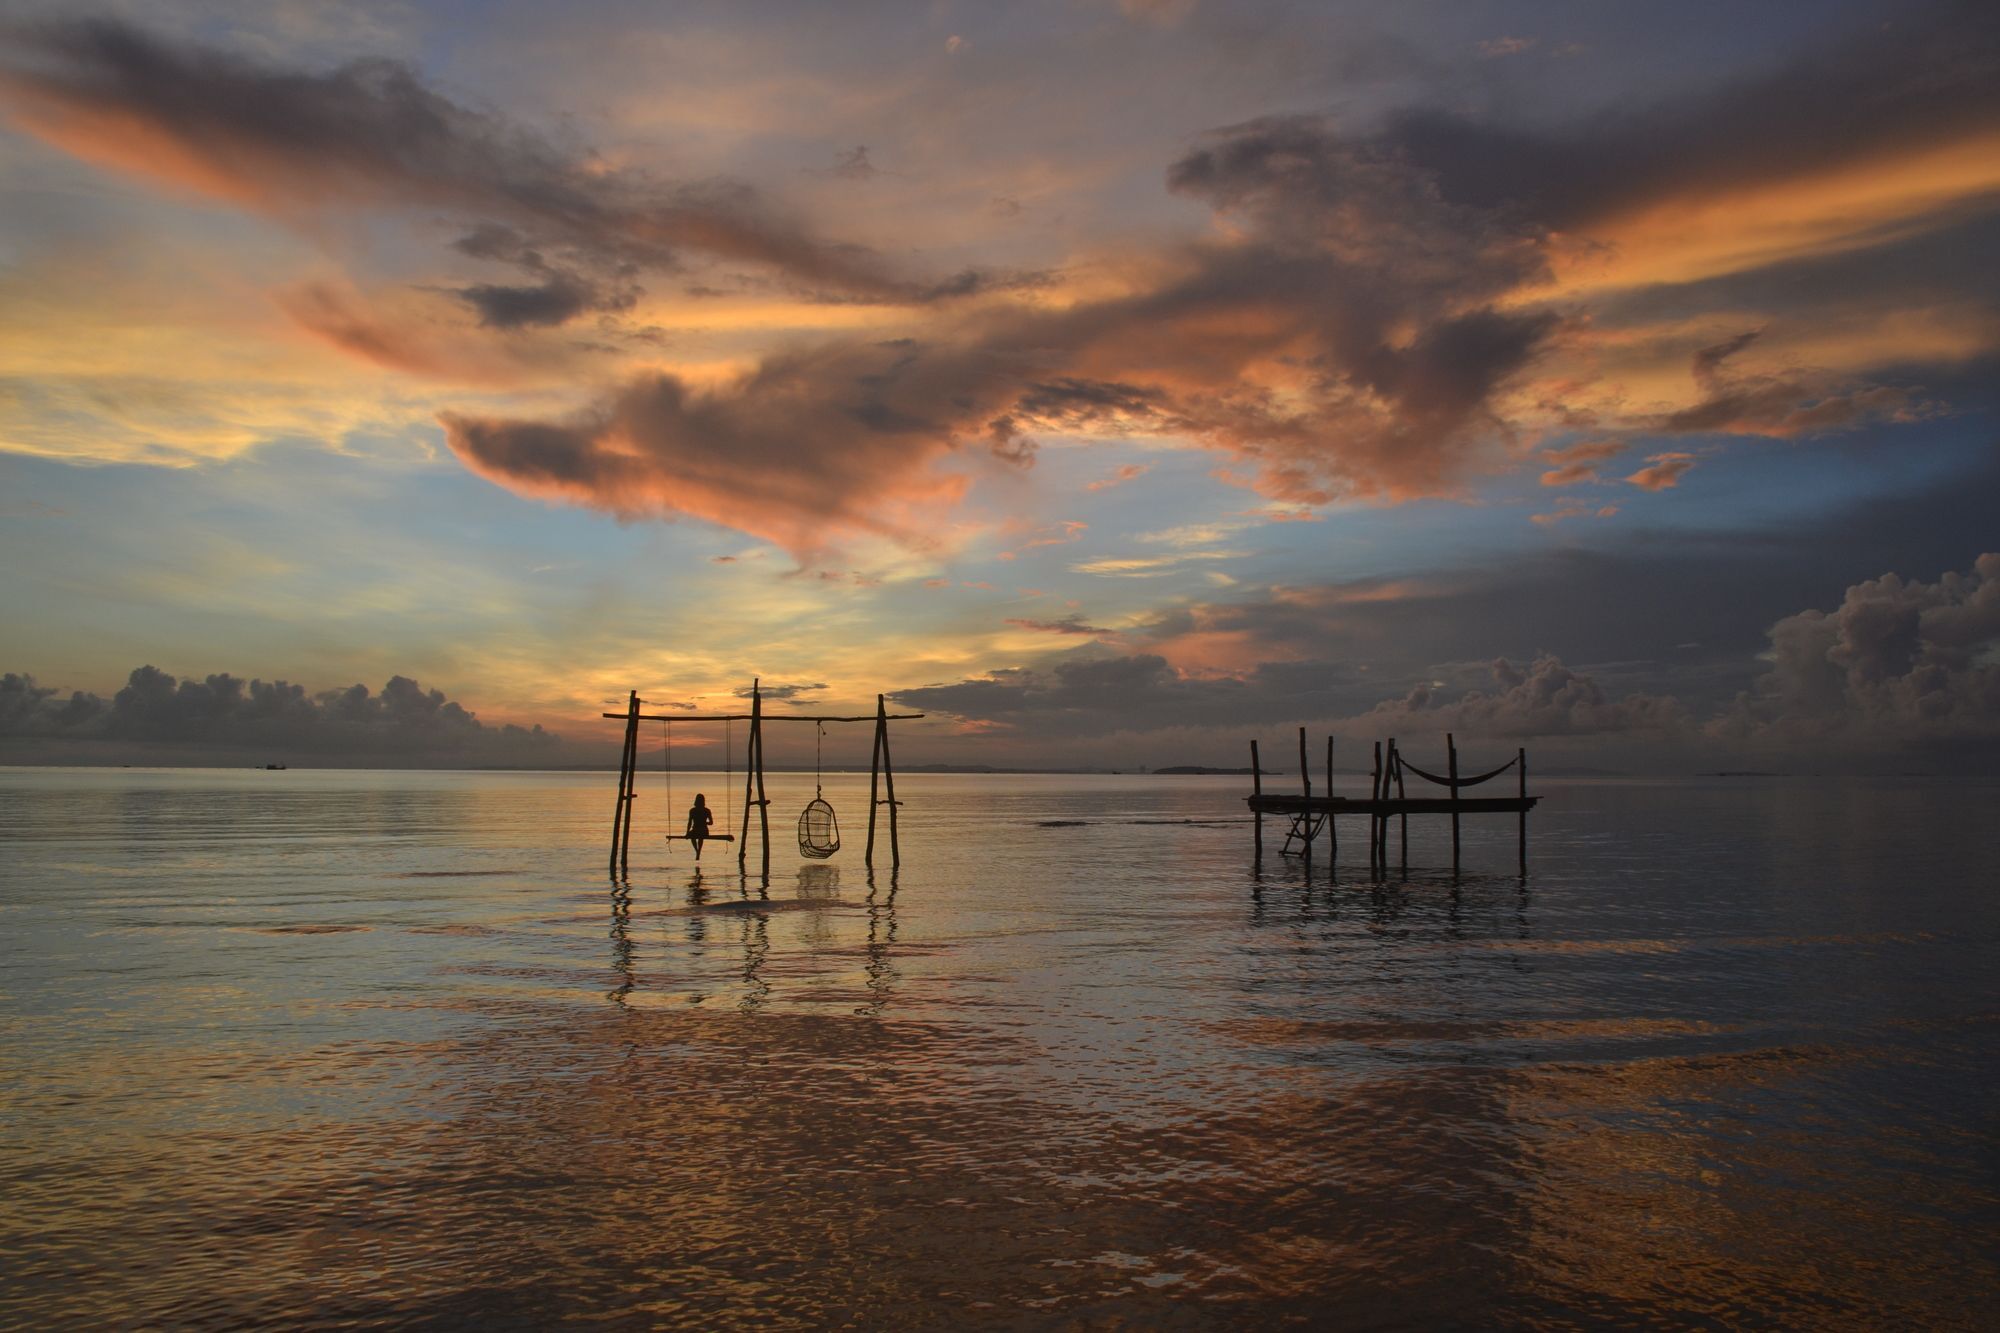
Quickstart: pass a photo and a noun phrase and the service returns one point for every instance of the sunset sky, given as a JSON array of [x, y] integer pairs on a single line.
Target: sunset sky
[[1109, 381]]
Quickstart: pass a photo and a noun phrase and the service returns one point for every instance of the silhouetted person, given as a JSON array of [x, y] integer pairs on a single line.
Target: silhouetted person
[[700, 817]]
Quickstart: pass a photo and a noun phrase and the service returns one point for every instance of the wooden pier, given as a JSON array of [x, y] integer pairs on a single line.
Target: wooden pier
[[1315, 816]]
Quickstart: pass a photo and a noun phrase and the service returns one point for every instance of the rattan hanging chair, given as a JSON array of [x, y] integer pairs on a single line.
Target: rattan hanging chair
[[819, 831]]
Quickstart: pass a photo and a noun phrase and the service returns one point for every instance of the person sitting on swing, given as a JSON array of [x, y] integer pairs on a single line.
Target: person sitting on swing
[[700, 817]]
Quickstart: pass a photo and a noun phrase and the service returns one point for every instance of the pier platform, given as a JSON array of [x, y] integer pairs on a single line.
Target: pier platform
[[1394, 805]]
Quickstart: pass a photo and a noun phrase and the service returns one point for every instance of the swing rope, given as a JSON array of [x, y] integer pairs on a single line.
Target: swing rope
[[819, 830], [728, 772]]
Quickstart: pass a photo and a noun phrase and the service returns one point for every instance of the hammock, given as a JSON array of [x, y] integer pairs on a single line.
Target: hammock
[[1462, 782]]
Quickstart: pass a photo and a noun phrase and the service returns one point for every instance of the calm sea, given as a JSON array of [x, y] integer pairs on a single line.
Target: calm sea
[[368, 1048]]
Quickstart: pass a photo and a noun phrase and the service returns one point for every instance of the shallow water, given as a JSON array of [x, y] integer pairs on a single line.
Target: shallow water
[[316, 1048]]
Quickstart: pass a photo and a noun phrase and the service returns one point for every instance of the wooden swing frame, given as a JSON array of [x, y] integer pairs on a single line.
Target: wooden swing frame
[[881, 777]]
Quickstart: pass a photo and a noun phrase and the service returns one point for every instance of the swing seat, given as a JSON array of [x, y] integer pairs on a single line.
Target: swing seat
[[819, 831], [707, 837]]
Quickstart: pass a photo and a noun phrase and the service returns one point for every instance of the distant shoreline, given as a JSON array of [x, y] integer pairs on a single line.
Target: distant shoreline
[[1277, 776]]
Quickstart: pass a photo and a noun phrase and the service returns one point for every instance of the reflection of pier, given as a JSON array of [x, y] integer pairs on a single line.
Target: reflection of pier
[[1387, 799]]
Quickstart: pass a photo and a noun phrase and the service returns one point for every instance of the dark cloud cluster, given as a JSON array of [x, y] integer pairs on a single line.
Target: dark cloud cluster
[[1930, 76], [1142, 692], [557, 295], [371, 135], [1065, 625], [1901, 667], [797, 692], [402, 723], [1544, 699]]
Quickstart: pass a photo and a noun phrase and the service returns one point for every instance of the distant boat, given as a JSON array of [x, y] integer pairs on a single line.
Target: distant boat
[[274, 767]]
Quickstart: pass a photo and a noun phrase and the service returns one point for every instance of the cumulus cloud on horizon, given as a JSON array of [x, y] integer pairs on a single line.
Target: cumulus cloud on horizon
[[1899, 664], [402, 722]]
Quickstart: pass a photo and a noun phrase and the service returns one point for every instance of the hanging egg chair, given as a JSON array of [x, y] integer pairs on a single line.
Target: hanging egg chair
[[819, 831]]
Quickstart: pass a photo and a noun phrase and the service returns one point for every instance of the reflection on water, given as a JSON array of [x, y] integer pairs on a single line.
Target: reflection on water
[[378, 1048]]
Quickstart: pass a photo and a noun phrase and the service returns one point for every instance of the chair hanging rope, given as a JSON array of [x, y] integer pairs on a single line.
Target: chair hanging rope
[[819, 830]]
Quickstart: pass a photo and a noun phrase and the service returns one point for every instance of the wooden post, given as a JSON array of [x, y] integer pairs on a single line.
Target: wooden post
[[743, 837], [631, 784], [1451, 770], [619, 812], [1256, 790], [1522, 756], [874, 779], [1332, 824], [1377, 786], [1306, 782], [888, 783], [749, 771], [1332, 830], [1382, 825], [1396, 764], [763, 801]]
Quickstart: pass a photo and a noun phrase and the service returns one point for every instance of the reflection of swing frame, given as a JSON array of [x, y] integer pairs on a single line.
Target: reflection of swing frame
[[881, 776]]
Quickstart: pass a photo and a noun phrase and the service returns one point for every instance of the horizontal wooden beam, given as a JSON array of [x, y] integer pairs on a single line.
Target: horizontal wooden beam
[[767, 717]]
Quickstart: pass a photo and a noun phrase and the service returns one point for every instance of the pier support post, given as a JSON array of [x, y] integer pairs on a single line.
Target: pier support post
[[1377, 789], [1451, 760], [1396, 767], [1256, 790], [1306, 781], [1521, 756], [1382, 825], [1332, 838]]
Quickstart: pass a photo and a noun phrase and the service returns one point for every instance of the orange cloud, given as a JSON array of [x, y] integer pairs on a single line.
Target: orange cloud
[[750, 456], [1663, 471], [1578, 463], [1129, 472], [1568, 509]]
